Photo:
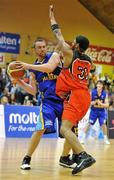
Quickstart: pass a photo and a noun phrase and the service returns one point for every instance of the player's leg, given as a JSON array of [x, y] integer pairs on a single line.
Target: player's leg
[[70, 136], [87, 128], [92, 120], [31, 148], [67, 147], [40, 129], [65, 158], [82, 159], [45, 124], [104, 129], [34, 141], [102, 122], [74, 111]]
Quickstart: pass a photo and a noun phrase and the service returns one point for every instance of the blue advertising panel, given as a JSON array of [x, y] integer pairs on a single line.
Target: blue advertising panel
[[9, 43], [110, 124], [20, 121]]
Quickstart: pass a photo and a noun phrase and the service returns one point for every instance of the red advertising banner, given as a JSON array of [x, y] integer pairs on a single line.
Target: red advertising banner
[[2, 58], [101, 55]]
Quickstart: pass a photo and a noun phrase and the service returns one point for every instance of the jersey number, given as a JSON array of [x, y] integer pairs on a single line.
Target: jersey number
[[83, 73]]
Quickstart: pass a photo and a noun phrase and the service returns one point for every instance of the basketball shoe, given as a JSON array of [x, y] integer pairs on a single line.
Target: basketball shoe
[[84, 161], [26, 163], [65, 161]]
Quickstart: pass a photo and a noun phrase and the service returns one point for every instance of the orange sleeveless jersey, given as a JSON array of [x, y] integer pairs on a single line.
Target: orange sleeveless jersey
[[72, 83], [76, 75]]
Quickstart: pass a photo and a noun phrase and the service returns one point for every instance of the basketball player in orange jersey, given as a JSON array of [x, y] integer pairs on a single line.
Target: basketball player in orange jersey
[[73, 81]]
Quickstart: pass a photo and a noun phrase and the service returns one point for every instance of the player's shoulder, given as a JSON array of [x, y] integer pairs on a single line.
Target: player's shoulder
[[54, 53], [81, 56], [94, 90], [85, 57], [104, 92]]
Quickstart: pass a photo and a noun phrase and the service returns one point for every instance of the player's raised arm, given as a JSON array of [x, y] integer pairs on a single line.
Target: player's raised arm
[[55, 27], [62, 45]]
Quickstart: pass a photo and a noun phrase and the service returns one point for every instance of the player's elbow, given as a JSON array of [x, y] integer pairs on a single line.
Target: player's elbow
[[107, 105], [33, 91], [50, 68]]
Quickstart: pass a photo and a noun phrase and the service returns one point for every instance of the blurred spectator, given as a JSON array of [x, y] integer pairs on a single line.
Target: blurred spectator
[[4, 100], [111, 107], [19, 95], [28, 103], [107, 81], [2, 81]]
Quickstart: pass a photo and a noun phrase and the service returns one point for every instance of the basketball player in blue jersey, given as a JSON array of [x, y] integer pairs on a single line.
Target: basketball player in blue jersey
[[44, 73], [99, 105]]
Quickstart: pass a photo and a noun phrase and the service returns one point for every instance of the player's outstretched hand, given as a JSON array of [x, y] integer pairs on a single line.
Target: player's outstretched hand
[[51, 7], [51, 14]]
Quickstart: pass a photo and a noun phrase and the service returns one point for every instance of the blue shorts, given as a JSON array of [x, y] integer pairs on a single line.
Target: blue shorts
[[97, 114], [49, 111]]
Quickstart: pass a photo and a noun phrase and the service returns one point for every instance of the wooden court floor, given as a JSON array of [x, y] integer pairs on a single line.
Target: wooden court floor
[[45, 161]]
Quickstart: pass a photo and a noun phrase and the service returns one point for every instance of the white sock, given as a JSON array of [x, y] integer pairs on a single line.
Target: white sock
[[105, 137], [84, 135]]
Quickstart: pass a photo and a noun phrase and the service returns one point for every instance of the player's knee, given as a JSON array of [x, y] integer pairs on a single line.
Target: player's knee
[[64, 130], [39, 133], [102, 124]]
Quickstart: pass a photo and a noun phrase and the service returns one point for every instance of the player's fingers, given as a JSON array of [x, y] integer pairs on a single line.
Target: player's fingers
[[51, 11], [18, 61], [20, 67], [51, 7]]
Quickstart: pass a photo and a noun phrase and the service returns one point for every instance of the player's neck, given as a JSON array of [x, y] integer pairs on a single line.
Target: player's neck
[[99, 92], [40, 59]]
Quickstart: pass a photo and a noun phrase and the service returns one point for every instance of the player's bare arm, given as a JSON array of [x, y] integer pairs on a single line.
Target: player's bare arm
[[31, 87], [46, 67], [105, 104], [93, 103], [93, 67], [62, 45]]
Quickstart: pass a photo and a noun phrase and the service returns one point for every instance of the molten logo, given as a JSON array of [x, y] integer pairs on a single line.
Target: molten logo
[[8, 40], [30, 118]]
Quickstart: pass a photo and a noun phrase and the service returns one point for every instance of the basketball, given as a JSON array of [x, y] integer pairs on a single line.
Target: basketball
[[14, 71]]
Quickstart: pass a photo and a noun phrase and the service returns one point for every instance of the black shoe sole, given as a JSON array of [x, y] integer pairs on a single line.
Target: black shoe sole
[[26, 168], [77, 170]]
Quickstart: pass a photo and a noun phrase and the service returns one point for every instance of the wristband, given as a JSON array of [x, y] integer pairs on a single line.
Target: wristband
[[54, 27]]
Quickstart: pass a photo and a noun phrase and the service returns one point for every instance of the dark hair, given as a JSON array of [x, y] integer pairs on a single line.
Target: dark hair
[[83, 42], [38, 39], [100, 81]]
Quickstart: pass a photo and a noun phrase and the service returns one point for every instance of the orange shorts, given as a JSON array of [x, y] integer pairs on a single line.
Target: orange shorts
[[77, 105]]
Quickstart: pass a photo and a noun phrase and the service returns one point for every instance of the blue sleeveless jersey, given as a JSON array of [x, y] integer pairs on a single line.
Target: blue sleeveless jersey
[[47, 81], [95, 96]]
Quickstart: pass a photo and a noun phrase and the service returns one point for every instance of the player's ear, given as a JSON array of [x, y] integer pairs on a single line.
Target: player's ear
[[73, 45], [77, 45]]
